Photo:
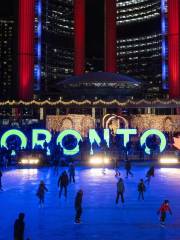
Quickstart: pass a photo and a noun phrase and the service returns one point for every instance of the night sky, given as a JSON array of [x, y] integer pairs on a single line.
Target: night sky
[[7, 8]]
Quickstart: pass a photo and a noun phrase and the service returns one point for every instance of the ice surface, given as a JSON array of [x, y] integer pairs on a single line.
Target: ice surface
[[102, 219]]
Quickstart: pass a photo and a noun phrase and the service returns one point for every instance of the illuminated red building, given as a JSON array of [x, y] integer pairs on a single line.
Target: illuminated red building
[[31, 70]]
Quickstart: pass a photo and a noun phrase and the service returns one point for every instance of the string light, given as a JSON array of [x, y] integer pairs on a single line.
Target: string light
[[91, 103]]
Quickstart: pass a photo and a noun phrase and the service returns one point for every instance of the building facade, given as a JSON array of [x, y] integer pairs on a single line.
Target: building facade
[[141, 39], [142, 43], [54, 39], [6, 59]]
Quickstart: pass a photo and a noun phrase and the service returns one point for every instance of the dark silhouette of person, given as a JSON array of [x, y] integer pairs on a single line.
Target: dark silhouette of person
[[78, 206], [41, 193], [149, 174], [71, 173], [63, 182], [163, 209], [120, 190], [128, 169], [141, 189], [19, 227], [1, 180]]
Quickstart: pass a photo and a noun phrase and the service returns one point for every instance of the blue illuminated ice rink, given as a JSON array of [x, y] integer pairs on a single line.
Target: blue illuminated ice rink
[[102, 219]]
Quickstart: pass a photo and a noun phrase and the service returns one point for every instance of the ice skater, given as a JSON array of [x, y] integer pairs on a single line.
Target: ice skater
[[141, 189], [116, 168], [163, 210], [120, 191], [1, 180], [71, 171], [56, 167], [78, 206], [128, 168], [149, 174], [63, 182], [41, 193], [19, 227]]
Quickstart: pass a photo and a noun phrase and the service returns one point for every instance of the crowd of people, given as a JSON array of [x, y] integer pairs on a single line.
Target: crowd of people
[[68, 177]]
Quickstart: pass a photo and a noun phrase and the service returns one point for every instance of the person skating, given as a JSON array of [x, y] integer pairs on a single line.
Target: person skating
[[1, 180], [116, 168], [41, 193], [71, 173], [149, 174], [78, 206], [19, 227], [120, 191], [163, 210], [128, 169], [63, 182], [56, 167], [141, 189]]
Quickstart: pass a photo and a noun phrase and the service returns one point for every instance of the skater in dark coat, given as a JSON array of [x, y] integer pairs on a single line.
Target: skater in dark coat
[[120, 191], [116, 168], [63, 182], [19, 227], [149, 174], [128, 169], [41, 193], [71, 173], [141, 189], [78, 206], [1, 180], [163, 210]]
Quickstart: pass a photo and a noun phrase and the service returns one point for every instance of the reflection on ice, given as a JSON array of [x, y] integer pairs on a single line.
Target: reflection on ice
[[170, 171]]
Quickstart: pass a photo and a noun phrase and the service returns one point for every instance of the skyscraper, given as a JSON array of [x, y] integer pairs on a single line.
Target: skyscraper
[[140, 41], [140, 38], [6, 58], [7, 50], [54, 39]]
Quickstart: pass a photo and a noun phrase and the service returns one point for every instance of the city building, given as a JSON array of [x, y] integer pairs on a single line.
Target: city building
[[140, 39], [53, 44], [7, 59], [142, 43]]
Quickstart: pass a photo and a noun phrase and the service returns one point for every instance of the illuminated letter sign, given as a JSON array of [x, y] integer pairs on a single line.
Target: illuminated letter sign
[[12, 132], [106, 136], [147, 133], [65, 133], [126, 133], [35, 137], [94, 137]]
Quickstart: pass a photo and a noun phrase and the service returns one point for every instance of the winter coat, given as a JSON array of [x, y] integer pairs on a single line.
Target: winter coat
[[63, 180], [41, 191], [128, 166], [19, 229], [120, 187], [164, 208], [78, 201], [141, 187]]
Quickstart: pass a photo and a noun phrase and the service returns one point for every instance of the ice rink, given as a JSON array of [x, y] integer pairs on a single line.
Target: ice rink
[[102, 219]]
